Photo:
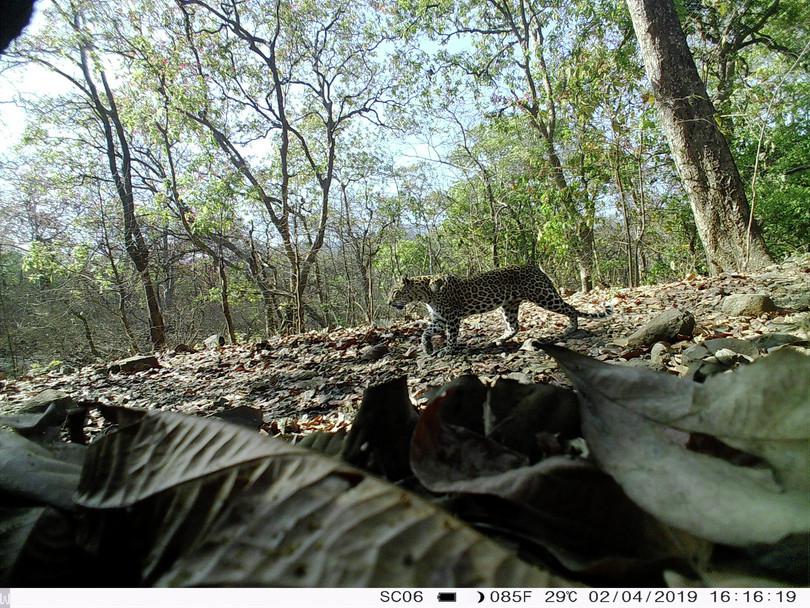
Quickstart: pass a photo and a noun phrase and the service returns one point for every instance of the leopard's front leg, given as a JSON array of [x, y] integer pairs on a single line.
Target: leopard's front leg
[[452, 333], [436, 326], [450, 327]]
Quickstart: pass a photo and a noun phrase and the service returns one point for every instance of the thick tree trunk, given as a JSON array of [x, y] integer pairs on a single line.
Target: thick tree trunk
[[701, 153], [120, 288], [124, 318], [157, 330]]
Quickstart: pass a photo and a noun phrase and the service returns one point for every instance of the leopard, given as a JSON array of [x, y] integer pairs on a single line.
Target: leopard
[[449, 299]]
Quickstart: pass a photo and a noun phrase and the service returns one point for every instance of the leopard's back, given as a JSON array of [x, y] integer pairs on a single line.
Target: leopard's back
[[460, 297]]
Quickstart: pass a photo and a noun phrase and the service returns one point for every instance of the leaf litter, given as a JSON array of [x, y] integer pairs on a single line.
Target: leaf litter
[[479, 469]]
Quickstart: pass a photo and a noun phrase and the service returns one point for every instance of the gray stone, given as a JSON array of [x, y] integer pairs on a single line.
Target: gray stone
[[659, 353], [44, 410], [530, 345], [373, 353], [214, 341], [242, 415], [41, 401], [131, 365], [771, 341], [666, 327], [726, 356], [798, 301], [700, 370], [709, 348], [747, 305], [645, 363]]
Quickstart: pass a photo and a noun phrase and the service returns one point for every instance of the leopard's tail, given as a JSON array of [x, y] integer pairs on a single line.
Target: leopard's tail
[[597, 315]]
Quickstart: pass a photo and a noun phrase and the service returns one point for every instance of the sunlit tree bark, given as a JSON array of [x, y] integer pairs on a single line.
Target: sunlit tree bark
[[731, 239]]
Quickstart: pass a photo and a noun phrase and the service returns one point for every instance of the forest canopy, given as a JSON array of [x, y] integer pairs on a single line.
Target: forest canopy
[[263, 167]]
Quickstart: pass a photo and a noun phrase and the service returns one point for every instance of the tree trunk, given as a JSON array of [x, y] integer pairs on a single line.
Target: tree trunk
[[157, 330], [323, 298], [118, 281], [701, 153], [117, 146], [631, 278], [584, 253], [88, 334], [226, 305], [124, 318]]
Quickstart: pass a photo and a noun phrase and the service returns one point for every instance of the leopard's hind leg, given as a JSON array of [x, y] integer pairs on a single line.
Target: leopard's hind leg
[[510, 316], [573, 321], [550, 299]]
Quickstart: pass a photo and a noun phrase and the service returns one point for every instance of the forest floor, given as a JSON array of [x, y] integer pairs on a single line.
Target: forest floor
[[315, 381]]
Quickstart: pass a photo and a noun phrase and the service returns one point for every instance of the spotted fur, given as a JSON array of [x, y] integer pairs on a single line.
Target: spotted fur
[[449, 299]]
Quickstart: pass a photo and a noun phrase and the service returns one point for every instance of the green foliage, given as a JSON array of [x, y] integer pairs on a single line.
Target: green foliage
[[38, 369], [41, 263], [782, 186], [442, 86]]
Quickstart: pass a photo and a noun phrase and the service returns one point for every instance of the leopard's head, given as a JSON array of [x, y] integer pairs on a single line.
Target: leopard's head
[[408, 290]]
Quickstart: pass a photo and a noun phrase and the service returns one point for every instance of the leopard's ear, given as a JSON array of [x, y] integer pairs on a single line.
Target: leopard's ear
[[406, 280], [437, 283]]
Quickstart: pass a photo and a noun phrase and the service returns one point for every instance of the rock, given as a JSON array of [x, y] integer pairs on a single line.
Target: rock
[[717, 356], [412, 352], [700, 370], [42, 411], [134, 364], [214, 341], [772, 341], [521, 377], [747, 305], [666, 327], [373, 353], [531, 345], [719, 348], [242, 415], [659, 353], [798, 301], [727, 356], [637, 363]]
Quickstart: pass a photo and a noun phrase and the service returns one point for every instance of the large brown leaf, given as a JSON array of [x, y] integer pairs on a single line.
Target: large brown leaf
[[560, 505], [196, 502], [706, 496], [38, 548], [37, 475], [380, 436]]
